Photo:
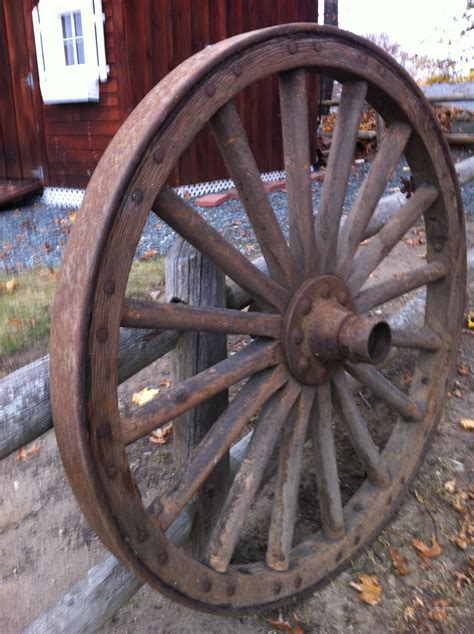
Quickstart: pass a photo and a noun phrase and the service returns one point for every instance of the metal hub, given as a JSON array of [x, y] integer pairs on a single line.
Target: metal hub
[[321, 330]]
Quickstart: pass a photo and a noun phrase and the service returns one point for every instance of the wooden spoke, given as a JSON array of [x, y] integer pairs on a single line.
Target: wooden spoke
[[233, 145], [360, 437], [400, 284], [383, 242], [337, 173], [352, 231], [150, 314], [294, 120], [193, 228], [385, 390], [225, 431], [324, 448], [287, 484], [193, 391], [247, 481], [419, 339]]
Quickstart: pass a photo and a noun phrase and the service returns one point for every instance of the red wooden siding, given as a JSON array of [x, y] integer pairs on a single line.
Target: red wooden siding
[[20, 135], [160, 34], [145, 39], [76, 135]]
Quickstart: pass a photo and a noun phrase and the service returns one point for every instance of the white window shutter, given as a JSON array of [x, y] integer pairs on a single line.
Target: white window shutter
[[59, 82]]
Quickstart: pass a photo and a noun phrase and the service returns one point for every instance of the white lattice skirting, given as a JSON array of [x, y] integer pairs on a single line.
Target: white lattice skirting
[[72, 198]]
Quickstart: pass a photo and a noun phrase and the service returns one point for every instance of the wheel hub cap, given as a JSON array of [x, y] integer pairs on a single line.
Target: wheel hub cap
[[321, 329]]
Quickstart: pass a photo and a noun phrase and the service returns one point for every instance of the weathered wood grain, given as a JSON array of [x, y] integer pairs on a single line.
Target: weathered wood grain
[[191, 278]]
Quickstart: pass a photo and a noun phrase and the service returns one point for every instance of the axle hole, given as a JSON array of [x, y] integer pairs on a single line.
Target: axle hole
[[380, 339]]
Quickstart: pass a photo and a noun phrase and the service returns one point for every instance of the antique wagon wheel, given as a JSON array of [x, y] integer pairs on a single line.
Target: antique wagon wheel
[[313, 327]]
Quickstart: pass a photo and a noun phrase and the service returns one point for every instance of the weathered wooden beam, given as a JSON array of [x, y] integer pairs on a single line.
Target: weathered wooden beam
[[431, 99], [193, 279], [25, 409], [456, 138]]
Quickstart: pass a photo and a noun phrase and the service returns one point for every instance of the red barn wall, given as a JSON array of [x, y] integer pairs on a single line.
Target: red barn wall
[[145, 39]]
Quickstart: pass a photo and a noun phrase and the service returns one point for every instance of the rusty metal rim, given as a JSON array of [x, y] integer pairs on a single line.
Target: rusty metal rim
[[63, 366]]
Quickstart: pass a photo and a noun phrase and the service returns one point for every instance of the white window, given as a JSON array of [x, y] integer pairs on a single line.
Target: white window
[[70, 49]]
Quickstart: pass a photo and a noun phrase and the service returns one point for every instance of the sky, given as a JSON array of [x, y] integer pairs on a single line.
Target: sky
[[426, 27]]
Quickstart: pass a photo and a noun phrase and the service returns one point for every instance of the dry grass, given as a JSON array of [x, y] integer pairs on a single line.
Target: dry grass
[[25, 303]]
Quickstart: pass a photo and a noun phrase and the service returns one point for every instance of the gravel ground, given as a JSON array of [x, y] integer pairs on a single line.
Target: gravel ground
[[35, 235]]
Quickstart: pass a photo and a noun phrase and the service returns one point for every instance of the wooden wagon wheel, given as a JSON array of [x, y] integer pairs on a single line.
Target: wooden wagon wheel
[[313, 328]]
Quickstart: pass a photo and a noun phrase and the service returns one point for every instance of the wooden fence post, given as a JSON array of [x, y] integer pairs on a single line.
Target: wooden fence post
[[194, 280]]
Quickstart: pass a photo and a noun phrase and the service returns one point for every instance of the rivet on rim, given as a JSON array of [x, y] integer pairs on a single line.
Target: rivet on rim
[[438, 247], [237, 69], [102, 334], [277, 587], [305, 306], [318, 47], [159, 155], [297, 336], [104, 430], [137, 196], [210, 90], [363, 58], [207, 585], [163, 558], [143, 535], [292, 47], [112, 471], [109, 287]]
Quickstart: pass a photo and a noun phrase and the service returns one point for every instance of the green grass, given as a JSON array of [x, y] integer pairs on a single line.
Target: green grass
[[25, 311]]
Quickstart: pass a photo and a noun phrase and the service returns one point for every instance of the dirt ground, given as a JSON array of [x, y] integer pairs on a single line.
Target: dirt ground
[[46, 544]]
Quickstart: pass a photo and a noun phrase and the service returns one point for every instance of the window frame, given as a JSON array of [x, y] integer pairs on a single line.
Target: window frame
[[61, 82]]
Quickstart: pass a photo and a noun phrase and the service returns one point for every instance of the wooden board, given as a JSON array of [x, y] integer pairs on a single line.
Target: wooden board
[[14, 191]]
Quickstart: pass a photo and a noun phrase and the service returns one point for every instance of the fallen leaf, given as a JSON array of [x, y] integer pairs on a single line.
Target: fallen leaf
[[15, 322], [471, 561], [458, 503], [164, 383], [418, 496], [145, 395], [461, 579], [399, 562], [463, 369], [285, 626], [148, 255], [418, 602], [27, 452], [407, 378], [438, 613], [369, 589], [425, 552], [467, 424], [450, 486], [11, 285], [72, 217], [161, 436], [469, 318], [409, 613]]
